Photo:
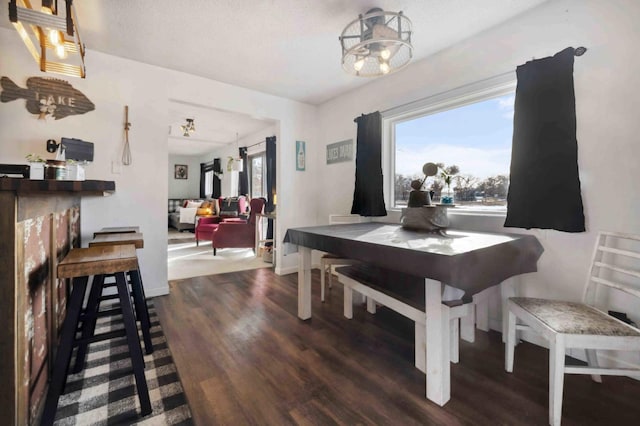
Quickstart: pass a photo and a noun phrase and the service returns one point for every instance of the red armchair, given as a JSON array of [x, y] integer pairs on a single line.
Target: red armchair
[[237, 234], [205, 228]]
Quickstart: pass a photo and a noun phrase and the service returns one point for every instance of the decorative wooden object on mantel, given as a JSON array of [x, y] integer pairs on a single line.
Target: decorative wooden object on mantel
[[39, 224]]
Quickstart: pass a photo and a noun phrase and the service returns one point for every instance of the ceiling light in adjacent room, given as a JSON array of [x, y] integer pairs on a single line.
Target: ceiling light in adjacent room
[[188, 128], [376, 43], [237, 164], [47, 35]]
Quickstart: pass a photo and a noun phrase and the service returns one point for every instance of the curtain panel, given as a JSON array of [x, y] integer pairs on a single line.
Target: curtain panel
[[544, 188], [217, 183], [243, 176], [270, 156], [368, 196]]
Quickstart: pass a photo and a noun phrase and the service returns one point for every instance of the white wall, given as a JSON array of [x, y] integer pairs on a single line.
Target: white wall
[[184, 188], [607, 86], [142, 187]]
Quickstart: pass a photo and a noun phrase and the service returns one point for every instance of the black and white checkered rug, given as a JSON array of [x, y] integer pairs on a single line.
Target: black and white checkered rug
[[104, 393]]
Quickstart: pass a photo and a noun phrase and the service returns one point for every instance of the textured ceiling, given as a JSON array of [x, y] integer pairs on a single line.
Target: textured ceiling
[[287, 48]]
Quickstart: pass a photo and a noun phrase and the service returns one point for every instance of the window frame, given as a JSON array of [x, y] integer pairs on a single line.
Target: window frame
[[493, 87]]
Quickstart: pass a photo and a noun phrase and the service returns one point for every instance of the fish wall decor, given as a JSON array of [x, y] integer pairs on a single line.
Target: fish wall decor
[[47, 96]]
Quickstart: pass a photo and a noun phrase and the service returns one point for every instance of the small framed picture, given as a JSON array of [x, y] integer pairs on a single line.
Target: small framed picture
[[181, 171]]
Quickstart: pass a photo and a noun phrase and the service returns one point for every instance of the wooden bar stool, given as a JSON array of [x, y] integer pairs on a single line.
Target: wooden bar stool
[[92, 311], [80, 264]]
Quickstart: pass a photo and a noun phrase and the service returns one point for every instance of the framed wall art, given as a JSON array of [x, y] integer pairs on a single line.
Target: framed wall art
[[181, 171]]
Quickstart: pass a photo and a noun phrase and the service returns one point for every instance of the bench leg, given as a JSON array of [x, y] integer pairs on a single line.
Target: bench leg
[[323, 274], [348, 302], [482, 311], [420, 347], [467, 326], [454, 340], [371, 305]]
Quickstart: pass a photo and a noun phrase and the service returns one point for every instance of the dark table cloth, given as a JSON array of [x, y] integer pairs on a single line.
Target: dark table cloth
[[470, 261]]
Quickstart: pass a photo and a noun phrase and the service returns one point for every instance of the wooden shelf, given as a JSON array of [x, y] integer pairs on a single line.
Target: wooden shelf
[[58, 187]]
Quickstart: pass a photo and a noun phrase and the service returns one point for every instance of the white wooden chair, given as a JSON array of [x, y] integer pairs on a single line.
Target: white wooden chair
[[614, 273], [328, 260]]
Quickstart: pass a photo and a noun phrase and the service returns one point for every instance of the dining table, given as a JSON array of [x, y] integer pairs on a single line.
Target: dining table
[[465, 260]]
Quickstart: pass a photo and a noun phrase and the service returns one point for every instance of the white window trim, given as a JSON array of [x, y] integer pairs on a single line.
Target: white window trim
[[468, 94]]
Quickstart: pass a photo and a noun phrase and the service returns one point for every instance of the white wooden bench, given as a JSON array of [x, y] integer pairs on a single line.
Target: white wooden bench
[[461, 314]]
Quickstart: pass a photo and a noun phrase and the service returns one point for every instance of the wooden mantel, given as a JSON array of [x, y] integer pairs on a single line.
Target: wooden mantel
[[80, 187], [39, 224]]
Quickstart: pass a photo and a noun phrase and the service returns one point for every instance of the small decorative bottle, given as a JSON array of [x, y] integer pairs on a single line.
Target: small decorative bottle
[[300, 157], [447, 195]]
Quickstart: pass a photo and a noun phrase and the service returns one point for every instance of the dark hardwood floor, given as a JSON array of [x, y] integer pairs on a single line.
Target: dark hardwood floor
[[244, 357]]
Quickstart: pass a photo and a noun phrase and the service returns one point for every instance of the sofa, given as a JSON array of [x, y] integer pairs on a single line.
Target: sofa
[[205, 208]]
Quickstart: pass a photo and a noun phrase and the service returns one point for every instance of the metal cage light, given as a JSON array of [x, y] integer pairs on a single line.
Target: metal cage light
[[376, 43]]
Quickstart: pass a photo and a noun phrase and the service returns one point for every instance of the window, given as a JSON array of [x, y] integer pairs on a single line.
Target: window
[[208, 183], [467, 132], [257, 175]]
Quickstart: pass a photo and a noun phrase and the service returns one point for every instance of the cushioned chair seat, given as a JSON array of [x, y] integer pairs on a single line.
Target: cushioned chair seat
[[573, 318]]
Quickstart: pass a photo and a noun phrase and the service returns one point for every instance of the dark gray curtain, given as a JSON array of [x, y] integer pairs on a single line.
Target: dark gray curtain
[[544, 188], [368, 197], [217, 184], [271, 181], [243, 176]]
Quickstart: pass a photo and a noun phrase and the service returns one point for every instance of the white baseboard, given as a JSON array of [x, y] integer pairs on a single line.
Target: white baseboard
[[286, 271], [291, 270], [157, 291]]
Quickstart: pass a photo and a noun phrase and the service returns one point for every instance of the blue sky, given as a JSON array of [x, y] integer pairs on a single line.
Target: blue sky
[[475, 137]]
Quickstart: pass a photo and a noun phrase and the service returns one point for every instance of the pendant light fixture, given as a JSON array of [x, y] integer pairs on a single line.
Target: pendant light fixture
[[377, 43], [237, 165], [51, 37], [188, 128]]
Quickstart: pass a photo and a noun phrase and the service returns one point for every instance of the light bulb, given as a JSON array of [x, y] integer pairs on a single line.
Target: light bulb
[[385, 54], [61, 51], [384, 68], [358, 64], [54, 37]]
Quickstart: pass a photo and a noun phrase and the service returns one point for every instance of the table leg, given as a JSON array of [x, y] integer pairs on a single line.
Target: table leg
[[304, 283], [437, 338], [257, 234]]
